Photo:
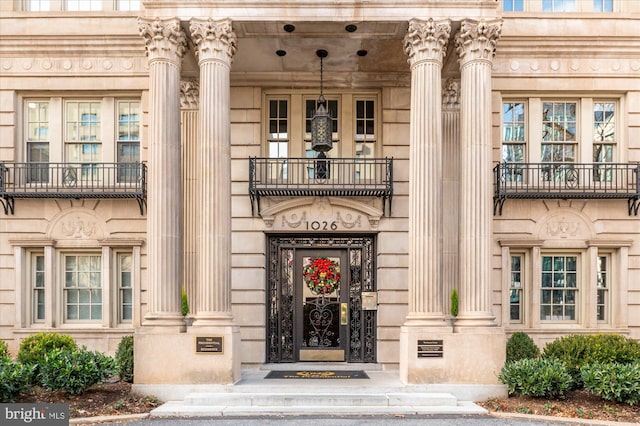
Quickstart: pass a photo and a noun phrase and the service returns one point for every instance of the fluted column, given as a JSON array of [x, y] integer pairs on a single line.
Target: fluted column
[[165, 45], [215, 46], [450, 188], [425, 44], [189, 104], [475, 44]]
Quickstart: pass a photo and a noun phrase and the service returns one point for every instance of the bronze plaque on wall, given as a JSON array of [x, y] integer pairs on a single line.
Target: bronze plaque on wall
[[209, 345], [430, 349]]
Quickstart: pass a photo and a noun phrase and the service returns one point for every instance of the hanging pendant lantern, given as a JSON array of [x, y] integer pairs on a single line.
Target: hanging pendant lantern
[[321, 123]]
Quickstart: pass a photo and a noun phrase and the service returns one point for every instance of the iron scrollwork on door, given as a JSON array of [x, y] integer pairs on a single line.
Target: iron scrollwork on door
[[280, 294]]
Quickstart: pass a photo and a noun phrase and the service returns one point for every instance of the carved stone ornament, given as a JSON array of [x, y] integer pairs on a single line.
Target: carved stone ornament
[[76, 224], [163, 39], [451, 94], [427, 40], [215, 40], [563, 228], [189, 94], [321, 214], [477, 40]]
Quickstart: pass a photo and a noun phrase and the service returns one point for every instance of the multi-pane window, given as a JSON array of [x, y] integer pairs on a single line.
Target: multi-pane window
[[82, 287], [37, 5], [558, 294], [515, 289], [125, 287], [38, 140], [278, 136], [512, 5], [513, 138], [83, 5], [604, 138], [603, 5], [365, 128], [37, 287], [128, 143], [559, 139], [82, 139], [558, 5], [128, 5], [603, 287]]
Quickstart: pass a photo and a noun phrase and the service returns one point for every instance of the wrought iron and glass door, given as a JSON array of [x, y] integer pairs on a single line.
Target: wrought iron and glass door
[[315, 290], [321, 304]]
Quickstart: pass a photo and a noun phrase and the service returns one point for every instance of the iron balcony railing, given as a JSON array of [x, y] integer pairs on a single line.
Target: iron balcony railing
[[567, 181], [339, 177], [72, 180]]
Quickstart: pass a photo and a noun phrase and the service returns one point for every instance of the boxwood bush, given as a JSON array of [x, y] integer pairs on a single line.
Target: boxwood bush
[[578, 350], [34, 348], [539, 377], [75, 371], [124, 359], [521, 346], [14, 378], [613, 381]]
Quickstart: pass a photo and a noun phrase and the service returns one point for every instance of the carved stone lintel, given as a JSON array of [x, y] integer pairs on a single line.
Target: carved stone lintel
[[477, 40], [427, 40], [451, 94], [189, 94], [215, 40], [163, 39]]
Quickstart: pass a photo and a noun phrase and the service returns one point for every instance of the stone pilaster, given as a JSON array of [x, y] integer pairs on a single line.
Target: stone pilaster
[[165, 45], [215, 44], [189, 105], [425, 44], [450, 188], [475, 45]]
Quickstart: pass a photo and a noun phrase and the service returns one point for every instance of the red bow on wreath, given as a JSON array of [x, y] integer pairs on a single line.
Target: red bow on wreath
[[321, 275]]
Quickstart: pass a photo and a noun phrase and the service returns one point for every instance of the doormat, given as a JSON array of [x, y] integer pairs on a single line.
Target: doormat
[[317, 374]]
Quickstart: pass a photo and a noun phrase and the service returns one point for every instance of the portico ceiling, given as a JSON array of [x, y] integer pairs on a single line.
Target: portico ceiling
[[258, 42]]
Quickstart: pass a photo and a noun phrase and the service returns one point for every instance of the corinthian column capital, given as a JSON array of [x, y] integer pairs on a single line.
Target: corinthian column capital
[[189, 94], [163, 39], [477, 40], [215, 40], [427, 40]]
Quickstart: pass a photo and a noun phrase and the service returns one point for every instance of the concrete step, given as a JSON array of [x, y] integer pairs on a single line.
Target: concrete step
[[332, 399]]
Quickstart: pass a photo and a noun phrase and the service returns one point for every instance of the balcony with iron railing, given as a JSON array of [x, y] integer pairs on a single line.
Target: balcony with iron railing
[[72, 180], [567, 181], [337, 177]]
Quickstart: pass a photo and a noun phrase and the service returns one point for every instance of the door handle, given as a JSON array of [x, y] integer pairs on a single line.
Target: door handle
[[344, 313]]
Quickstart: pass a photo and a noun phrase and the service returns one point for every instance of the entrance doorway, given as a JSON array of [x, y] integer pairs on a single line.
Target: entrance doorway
[[315, 292], [321, 305]]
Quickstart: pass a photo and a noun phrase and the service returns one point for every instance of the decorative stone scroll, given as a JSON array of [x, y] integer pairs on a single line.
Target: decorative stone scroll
[[322, 215]]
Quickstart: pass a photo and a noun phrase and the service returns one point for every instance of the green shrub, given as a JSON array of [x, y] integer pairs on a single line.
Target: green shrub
[[578, 350], [521, 346], [4, 350], [124, 359], [75, 371], [613, 381], [540, 377], [185, 302], [34, 348], [454, 303], [14, 378]]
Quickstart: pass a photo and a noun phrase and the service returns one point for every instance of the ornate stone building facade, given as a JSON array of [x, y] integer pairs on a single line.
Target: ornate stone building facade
[[486, 146]]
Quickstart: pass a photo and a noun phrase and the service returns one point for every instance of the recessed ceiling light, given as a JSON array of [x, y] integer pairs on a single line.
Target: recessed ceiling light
[[362, 52], [281, 52], [289, 28], [351, 28]]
